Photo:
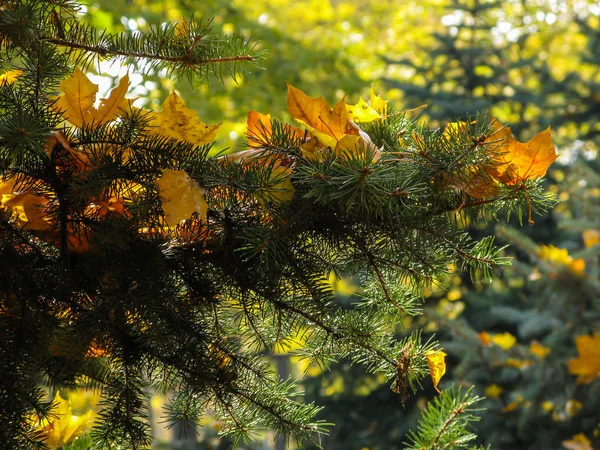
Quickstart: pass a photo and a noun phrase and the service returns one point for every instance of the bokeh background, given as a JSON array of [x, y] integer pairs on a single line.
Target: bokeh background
[[525, 340]]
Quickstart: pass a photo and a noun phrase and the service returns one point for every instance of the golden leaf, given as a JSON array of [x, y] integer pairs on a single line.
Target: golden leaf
[[282, 191], [180, 196], [493, 391], [587, 364], [578, 442], [539, 350], [179, 122], [504, 341], [328, 124], [259, 128], [485, 338], [10, 77], [561, 257], [79, 95], [436, 360], [517, 161], [378, 104], [29, 211], [62, 427], [362, 112], [591, 238]]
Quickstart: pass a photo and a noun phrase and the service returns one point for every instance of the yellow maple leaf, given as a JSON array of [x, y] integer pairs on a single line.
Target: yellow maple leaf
[[79, 96], [587, 364], [578, 442], [10, 77], [362, 112], [436, 360], [280, 192], [516, 161], [62, 427], [328, 124], [504, 340], [178, 121], [378, 103], [180, 196]]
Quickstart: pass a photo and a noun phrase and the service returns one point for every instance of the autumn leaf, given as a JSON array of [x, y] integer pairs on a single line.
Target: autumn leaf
[[578, 442], [10, 77], [179, 122], [79, 96], [485, 338], [539, 350], [516, 161], [280, 190], [259, 128], [436, 360], [591, 238], [587, 364], [378, 103], [62, 427], [362, 112], [504, 340], [180, 196], [328, 124], [493, 391]]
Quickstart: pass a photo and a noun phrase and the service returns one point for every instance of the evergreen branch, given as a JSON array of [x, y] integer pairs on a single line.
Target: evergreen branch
[[106, 52]]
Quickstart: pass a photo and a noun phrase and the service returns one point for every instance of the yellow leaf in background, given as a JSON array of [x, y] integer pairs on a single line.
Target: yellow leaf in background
[[362, 112], [79, 95], [539, 350], [437, 366], [485, 338], [180, 196], [578, 442], [259, 128], [587, 364], [62, 427], [517, 161], [517, 363], [514, 405], [504, 340], [30, 211], [178, 121], [378, 104], [591, 238], [10, 77], [327, 124], [493, 391], [560, 256]]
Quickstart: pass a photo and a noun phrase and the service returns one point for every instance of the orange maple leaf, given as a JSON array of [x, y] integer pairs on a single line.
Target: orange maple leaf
[[517, 161], [587, 364]]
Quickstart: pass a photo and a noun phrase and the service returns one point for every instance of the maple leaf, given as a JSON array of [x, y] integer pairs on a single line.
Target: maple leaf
[[180, 196], [517, 161], [178, 121], [281, 191], [362, 112], [259, 128], [63, 427], [587, 364], [10, 77], [328, 124], [79, 96], [378, 103], [436, 360]]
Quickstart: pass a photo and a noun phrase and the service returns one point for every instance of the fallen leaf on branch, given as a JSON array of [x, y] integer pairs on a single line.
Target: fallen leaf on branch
[[516, 161], [79, 96], [180, 196], [178, 121], [10, 77], [362, 112]]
